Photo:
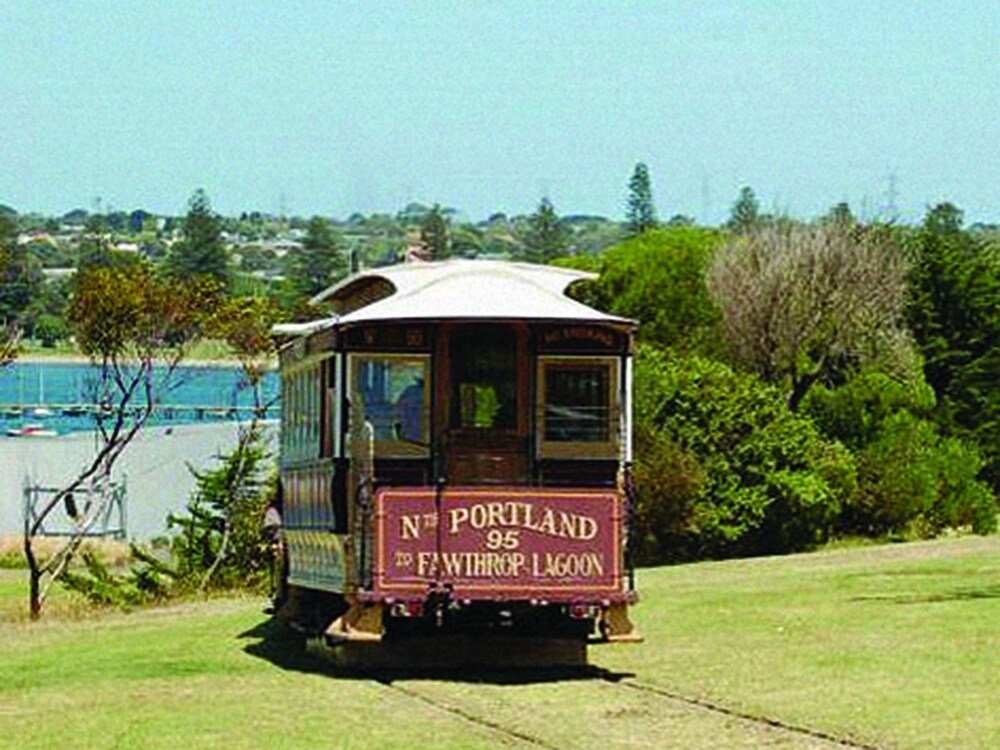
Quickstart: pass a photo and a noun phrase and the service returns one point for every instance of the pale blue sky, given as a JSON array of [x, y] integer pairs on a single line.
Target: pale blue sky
[[331, 107]]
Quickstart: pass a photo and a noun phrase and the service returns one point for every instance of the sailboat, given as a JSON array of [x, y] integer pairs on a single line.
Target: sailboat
[[31, 430], [41, 411]]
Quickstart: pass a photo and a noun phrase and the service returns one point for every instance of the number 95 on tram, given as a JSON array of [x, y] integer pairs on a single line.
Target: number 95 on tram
[[455, 457]]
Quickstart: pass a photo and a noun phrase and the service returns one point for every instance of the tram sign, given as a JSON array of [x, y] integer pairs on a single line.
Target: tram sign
[[498, 542]]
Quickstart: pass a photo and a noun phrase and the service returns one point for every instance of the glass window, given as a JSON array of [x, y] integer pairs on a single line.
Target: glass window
[[484, 378], [578, 406], [391, 393]]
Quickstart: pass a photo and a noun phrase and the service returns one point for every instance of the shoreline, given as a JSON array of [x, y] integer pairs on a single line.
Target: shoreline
[[69, 358], [156, 468]]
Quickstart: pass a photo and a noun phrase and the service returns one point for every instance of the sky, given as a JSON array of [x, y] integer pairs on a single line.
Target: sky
[[331, 107]]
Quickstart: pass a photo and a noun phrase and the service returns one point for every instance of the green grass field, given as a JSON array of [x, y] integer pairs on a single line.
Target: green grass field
[[895, 646]]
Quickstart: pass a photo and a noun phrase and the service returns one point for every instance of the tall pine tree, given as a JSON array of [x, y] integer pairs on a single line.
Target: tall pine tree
[[201, 251], [434, 234], [547, 236], [640, 213], [321, 261], [953, 313], [745, 213]]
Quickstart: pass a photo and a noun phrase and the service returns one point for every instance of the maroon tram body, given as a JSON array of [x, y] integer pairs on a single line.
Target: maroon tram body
[[455, 457]]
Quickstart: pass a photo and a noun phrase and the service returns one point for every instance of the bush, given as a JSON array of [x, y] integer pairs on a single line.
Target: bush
[[724, 468], [910, 477], [221, 543], [50, 330]]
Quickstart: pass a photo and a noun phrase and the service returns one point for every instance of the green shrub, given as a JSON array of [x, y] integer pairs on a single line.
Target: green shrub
[[221, 541], [761, 479], [220, 545], [658, 279], [910, 477]]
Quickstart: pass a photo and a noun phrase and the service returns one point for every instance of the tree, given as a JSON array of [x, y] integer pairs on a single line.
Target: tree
[[200, 251], [322, 260], [227, 509], [434, 234], [10, 332], [745, 213], [953, 312], [20, 273], [466, 241], [45, 317], [724, 468], [659, 280], [221, 543], [135, 328], [640, 214], [840, 215], [547, 235], [807, 304], [909, 475], [95, 248]]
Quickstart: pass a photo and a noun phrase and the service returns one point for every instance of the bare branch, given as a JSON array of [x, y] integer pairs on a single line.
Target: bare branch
[[128, 322], [801, 304]]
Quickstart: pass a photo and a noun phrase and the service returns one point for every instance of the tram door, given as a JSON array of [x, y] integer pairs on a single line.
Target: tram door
[[485, 426]]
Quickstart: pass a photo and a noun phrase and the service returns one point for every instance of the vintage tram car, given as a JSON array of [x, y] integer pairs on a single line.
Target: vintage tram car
[[454, 457]]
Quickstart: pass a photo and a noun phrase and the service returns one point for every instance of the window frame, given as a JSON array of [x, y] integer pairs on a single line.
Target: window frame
[[395, 448], [579, 449]]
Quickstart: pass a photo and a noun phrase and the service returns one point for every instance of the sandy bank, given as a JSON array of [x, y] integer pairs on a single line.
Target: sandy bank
[[155, 468]]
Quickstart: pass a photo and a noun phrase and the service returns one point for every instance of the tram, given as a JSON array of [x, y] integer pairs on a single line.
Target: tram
[[454, 458]]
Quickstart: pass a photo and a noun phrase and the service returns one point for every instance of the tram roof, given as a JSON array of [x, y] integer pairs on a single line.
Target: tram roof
[[461, 290]]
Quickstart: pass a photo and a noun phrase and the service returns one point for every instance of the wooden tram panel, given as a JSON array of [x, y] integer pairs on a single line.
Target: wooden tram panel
[[504, 543]]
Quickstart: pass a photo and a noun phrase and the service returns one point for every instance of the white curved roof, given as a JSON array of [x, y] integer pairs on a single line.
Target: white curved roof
[[464, 289]]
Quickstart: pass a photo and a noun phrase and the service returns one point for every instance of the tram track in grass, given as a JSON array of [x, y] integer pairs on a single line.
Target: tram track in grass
[[829, 740], [718, 725], [509, 733]]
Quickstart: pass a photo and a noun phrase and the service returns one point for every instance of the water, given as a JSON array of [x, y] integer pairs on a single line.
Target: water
[[40, 384]]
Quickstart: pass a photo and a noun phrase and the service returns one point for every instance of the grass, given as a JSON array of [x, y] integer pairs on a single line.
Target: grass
[[895, 646], [203, 351], [182, 677], [112, 553]]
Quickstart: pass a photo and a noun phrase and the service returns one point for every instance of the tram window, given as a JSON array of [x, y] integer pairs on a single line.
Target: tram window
[[577, 407], [484, 378], [392, 394], [300, 413]]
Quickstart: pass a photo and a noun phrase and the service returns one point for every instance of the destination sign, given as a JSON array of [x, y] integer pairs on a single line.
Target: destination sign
[[506, 541]]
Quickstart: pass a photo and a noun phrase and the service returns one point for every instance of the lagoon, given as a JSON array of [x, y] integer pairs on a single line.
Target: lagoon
[[29, 390], [156, 467]]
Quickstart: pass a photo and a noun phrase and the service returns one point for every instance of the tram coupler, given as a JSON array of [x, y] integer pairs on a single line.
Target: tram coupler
[[439, 599]]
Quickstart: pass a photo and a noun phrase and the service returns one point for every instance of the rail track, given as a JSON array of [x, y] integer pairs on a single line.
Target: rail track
[[730, 724]]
